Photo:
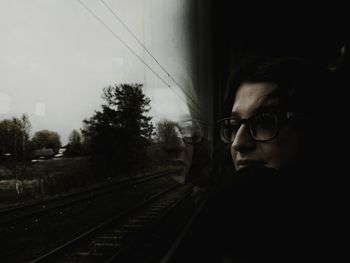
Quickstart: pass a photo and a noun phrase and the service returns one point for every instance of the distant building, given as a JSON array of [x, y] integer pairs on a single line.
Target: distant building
[[61, 152], [6, 156], [43, 153]]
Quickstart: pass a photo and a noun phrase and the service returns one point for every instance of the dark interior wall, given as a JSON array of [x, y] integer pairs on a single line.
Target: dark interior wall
[[202, 54], [241, 32]]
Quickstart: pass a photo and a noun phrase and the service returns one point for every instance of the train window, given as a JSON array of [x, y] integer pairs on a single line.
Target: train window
[[109, 149], [105, 114]]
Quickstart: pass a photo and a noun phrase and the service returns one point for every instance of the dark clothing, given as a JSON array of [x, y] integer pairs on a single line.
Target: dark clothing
[[260, 215], [271, 217]]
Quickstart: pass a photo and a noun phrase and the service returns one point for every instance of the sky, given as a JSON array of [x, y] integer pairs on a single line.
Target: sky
[[55, 58]]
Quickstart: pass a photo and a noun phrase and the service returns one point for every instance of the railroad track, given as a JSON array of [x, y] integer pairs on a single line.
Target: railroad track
[[110, 239], [34, 232]]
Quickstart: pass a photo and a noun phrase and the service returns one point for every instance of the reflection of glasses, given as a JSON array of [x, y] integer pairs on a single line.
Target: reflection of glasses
[[263, 127], [191, 131]]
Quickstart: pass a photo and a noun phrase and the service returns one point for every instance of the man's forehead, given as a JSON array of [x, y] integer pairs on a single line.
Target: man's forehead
[[252, 97]]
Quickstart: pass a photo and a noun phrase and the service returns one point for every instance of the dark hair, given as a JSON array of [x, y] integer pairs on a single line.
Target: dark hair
[[302, 84]]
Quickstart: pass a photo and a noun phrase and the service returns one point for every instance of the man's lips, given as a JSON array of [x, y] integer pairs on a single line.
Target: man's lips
[[247, 162], [179, 162]]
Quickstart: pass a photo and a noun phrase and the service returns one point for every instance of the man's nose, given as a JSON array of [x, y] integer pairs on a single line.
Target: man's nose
[[176, 145], [243, 140]]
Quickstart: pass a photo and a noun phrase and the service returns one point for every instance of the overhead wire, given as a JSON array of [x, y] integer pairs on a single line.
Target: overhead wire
[[148, 52], [123, 42]]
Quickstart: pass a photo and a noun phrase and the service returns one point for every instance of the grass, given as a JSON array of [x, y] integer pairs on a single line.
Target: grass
[[48, 178], [44, 178]]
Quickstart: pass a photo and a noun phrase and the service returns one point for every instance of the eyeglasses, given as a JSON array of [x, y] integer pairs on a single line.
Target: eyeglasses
[[191, 131], [263, 127]]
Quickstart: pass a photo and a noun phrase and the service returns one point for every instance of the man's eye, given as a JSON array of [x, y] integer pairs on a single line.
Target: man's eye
[[234, 125], [265, 121]]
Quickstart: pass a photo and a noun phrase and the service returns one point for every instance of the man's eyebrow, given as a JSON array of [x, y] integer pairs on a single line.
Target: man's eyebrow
[[235, 114], [267, 108], [268, 103]]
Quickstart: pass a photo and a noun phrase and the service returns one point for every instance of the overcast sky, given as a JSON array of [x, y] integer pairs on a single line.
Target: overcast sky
[[55, 58]]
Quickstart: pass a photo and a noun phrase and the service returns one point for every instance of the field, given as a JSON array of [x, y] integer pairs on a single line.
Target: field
[[43, 179]]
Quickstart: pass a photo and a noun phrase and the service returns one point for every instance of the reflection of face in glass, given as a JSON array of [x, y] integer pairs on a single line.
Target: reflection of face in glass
[[180, 151], [279, 152]]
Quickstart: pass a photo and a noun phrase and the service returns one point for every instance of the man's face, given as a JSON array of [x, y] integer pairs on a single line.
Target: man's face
[[278, 153]]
